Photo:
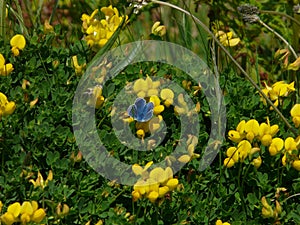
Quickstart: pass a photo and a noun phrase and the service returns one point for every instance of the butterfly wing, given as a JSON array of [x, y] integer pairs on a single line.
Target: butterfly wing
[[148, 111], [131, 111], [139, 104]]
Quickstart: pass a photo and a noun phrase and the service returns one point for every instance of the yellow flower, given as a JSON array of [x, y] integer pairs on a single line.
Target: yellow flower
[[1, 205], [267, 213], [267, 210], [227, 39], [138, 170], [238, 134], [229, 162], [266, 132], [96, 99], [244, 148], [14, 209], [34, 205], [33, 103], [182, 106], [251, 129], [283, 159], [100, 222], [278, 90], [172, 183], [167, 95], [78, 68], [6, 107], [154, 123], [290, 144], [136, 195], [26, 208], [145, 88], [295, 65], [38, 215], [235, 136], [8, 218], [232, 153], [47, 27], [140, 133], [109, 11], [184, 158], [87, 20], [17, 43], [25, 218], [295, 113], [152, 196], [62, 210], [40, 182], [219, 222], [158, 108], [158, 174], [296, 164], [281, 89], [257, 162], [162, 191], [276, 146], [5, 69], [158, 30]]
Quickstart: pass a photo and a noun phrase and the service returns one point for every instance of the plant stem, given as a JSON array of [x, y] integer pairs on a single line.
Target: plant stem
[[53, 11], [281, 14], [2, 18], [20, 18], [279, 36], [295, 195], [233, 60]]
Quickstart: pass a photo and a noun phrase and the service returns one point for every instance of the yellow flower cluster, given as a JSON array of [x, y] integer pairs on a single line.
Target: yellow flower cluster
[[17, 43], [144, 88], [6, 107], [98, 32], [40, 182], [295, 113], [284, 57], [25, 213], [227, 39], [182, 107], [251, 133], [268, 211], [191, 143], [277, 91], [246, 134], [5, 68], [289, 148], [96, 99], [154, 184], [219, 222]]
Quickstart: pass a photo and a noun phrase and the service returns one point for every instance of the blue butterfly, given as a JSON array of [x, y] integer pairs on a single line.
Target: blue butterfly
[[140, 110]]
